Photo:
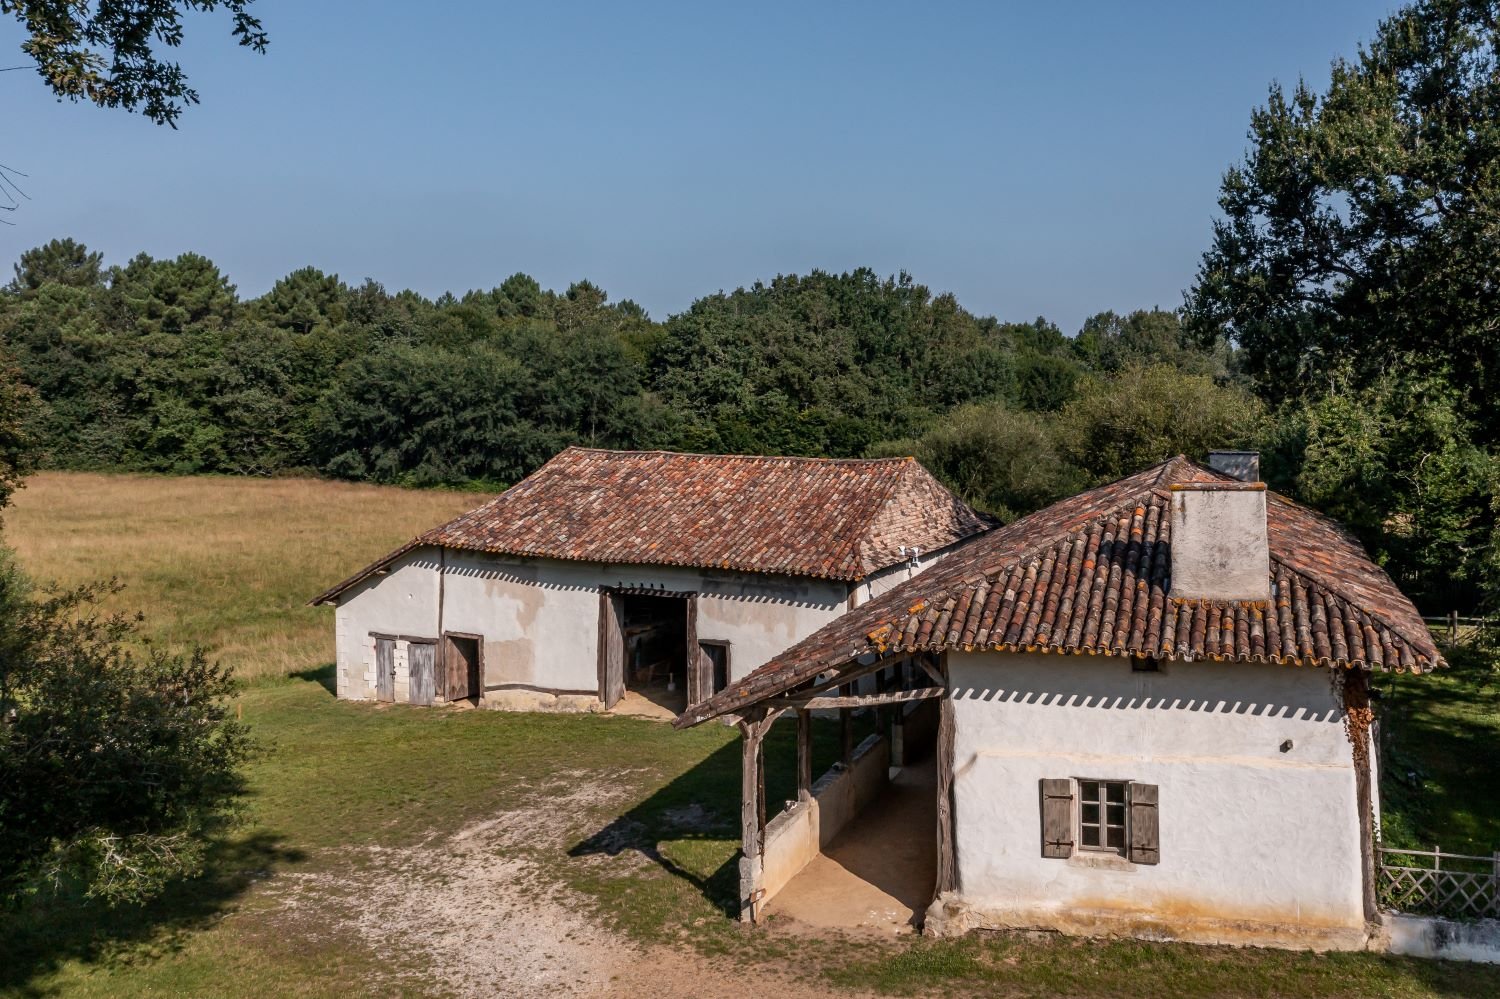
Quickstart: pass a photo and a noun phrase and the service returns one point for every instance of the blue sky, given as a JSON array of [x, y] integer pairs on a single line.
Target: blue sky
[[1034, 159]]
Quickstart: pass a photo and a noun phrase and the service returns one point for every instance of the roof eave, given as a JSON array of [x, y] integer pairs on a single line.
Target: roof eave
[[332, 594]]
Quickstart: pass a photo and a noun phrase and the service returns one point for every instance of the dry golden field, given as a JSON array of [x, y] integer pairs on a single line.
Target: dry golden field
[[228, 563]]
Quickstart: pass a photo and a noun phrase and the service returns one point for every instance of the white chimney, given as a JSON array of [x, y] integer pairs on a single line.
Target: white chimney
[[1219, 546]]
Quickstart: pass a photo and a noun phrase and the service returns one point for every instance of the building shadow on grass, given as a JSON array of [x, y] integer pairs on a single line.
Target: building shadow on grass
[[321, 675], [44, 932], [696, 815], [696, 807]]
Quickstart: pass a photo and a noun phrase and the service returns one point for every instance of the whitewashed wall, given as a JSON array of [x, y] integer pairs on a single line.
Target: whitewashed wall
[[1257, 845], [540, 617], [401, 602]]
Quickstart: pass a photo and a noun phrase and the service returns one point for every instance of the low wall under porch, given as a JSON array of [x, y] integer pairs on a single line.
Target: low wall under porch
[[800, 833]]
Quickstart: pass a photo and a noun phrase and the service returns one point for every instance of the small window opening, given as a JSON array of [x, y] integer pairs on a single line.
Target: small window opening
[[718, 658], [1101, 816]]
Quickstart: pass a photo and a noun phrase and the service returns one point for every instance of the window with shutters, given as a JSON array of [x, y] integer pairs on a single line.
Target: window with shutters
[[1100, 816]]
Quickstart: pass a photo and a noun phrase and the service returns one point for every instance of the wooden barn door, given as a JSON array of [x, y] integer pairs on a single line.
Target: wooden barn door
[[461, 667], [611, 648], [385, 669], [699, 678], [421, 668]]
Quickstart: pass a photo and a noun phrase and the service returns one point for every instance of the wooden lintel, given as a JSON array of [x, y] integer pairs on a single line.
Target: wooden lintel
[[856, 700]]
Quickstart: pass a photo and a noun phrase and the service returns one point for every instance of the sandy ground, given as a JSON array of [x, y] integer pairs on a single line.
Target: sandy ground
[[468, 915], [656, 705], [877, 874]]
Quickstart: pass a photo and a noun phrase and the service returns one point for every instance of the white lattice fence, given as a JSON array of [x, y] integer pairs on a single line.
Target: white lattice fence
[[1433, 883]]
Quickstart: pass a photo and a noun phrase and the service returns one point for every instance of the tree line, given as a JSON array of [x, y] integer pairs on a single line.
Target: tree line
[[159, 365]]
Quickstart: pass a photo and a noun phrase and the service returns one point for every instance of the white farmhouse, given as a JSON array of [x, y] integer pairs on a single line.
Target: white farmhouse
[[651, 575], [1153, 718]]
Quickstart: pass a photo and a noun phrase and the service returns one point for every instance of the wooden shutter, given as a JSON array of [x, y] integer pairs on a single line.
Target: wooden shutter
[[1145, 830], [1057, 817]]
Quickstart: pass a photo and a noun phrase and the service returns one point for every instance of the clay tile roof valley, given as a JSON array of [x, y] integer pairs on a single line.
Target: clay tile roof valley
[[1092, 574], [830, 518]]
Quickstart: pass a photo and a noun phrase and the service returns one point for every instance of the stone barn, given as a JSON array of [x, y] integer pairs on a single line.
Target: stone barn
[[1154, 719], [652, 577]]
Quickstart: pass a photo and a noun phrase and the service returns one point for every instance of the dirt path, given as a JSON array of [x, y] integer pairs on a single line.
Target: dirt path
[[469, 915]]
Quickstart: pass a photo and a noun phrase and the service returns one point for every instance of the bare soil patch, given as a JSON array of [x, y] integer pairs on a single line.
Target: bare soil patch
[[475, 913]]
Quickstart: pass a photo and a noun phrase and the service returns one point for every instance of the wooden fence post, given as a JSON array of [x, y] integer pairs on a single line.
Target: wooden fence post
[[1495, 885]]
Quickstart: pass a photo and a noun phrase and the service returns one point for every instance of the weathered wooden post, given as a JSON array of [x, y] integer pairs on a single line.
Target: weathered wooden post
[[947, 867], [846, 726], [804, 755], [751, 784]]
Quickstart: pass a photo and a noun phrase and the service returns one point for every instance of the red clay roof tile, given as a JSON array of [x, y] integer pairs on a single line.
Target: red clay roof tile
[[1092, 574], [830, 518]]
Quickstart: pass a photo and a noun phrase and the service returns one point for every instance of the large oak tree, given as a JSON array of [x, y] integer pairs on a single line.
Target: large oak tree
[[1363, 227]]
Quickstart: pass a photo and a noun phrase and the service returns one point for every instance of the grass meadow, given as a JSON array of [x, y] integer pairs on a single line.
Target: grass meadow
[[224, 562], [344, 790]]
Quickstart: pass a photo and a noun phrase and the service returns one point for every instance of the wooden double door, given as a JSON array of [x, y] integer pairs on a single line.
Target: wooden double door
[[421, 669], [701, 666]]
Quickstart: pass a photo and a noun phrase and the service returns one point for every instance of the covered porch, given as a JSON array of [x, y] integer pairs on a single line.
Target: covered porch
[[879, 871], [869, 843]]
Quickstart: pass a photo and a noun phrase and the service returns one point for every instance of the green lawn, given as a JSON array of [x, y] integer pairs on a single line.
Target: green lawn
[[1440, 742]]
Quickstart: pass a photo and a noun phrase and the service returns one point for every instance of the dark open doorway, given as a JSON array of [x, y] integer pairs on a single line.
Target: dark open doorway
[[654, 630], [651, 662]]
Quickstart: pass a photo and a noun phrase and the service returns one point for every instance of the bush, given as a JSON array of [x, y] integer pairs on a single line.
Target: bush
[[115, 767]]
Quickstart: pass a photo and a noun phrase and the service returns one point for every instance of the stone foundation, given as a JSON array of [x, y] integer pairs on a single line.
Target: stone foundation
[[952, 915], [520, 699]]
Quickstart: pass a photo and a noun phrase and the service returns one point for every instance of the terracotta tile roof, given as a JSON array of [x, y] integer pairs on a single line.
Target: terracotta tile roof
[[828, 518], [1092, 574]]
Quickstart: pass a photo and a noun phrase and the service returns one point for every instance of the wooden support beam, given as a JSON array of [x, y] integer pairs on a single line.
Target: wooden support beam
[[947, 867], [855, 700], [760, 790], [804, 756], [848, 676], [924, 660], [846, 726], [750, 827]]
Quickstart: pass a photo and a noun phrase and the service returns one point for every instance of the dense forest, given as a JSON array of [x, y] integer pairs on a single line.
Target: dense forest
[[158, 365]]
